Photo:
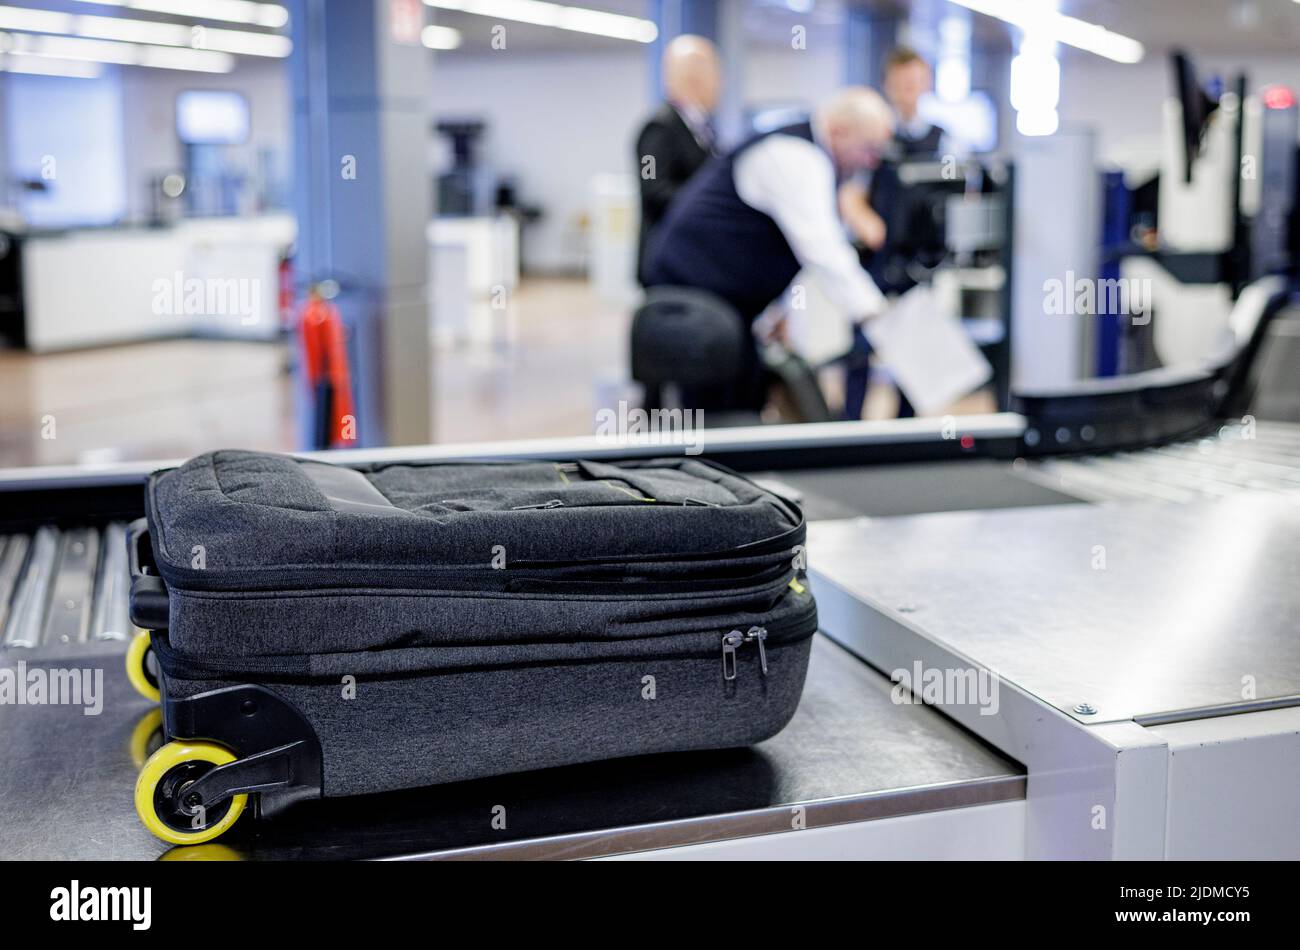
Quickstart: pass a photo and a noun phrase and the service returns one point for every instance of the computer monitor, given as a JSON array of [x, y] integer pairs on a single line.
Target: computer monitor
[[212, 117], [1197, 107]]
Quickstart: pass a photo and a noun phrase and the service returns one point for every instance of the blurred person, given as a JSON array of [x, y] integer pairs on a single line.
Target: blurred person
[[908, 77], [863, 205], [746, 225], [866, 204], [678, 139]]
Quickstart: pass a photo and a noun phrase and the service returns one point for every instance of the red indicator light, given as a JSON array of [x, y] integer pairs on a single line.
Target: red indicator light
[[1278, 97]]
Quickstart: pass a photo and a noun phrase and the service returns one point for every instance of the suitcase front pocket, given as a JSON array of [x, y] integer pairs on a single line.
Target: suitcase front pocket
[[725, 643], [468, 722]]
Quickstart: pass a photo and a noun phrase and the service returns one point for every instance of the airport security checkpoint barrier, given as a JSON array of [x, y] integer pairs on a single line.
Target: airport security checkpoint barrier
[[327, 631]]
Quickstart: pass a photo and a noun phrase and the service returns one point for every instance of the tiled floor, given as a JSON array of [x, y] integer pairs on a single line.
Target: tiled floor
[[561, 350], [142, 401], [558, 348], [560, 353]]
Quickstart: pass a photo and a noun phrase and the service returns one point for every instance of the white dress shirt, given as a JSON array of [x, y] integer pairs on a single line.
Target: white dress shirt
[[792, 181]]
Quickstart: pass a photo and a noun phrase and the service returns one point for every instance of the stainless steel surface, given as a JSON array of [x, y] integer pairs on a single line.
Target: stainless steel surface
[[67, 617], [793, 438], [109, 619], [31, 595], [849, 754], [1259, 457], [870, 806], [1152, 611]]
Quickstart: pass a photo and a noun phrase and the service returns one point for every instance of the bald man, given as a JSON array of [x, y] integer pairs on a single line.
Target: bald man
[[748, 223], [677, 140]]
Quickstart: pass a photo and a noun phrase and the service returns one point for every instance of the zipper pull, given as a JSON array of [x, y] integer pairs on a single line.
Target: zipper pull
[[730, 641], [553, 503], [759, 635]]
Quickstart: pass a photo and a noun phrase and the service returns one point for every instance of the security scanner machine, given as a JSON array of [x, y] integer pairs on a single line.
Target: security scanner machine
[[949, 225], [1218, 215], [1066, 631]]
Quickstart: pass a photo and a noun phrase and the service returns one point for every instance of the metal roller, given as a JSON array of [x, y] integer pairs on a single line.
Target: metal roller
[[27, 610], [67, 619], [108, 615], [13, 552]]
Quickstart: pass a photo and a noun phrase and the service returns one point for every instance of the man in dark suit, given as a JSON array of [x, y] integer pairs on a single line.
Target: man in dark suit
[[677, 139]]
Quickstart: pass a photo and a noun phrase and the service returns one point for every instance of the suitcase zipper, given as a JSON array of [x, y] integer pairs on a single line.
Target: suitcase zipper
[[733, 641]]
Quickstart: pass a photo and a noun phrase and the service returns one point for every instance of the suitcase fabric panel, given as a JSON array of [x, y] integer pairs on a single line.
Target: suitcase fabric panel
[[407, 732], [259, 518]]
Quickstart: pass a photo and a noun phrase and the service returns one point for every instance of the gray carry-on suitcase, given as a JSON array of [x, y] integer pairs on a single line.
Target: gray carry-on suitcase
[[316, 630]]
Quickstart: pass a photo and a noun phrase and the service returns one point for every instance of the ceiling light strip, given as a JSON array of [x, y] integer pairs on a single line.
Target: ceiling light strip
[[1033, 16], [557, 15], [270, 15], [149, 32], [115, 53]]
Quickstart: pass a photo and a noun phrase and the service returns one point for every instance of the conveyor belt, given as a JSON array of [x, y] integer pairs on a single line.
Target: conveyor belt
[[63, 587], [1263, 457], [850, 754]]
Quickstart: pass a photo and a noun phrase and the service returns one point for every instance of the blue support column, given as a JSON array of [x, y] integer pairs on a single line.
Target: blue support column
[[363, 199], [868, 38], [1117, 203]]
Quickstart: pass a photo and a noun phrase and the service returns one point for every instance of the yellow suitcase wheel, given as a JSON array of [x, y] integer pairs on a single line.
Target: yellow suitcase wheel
[[160, 792], [139, 661]]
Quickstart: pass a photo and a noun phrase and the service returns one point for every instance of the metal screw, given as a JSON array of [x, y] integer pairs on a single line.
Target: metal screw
[[1086, 709]]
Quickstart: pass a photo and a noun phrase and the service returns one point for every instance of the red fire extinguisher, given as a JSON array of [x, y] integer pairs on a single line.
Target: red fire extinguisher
[[325, 352]]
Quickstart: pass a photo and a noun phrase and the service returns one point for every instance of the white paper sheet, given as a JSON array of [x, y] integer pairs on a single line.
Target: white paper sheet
[[815, 327], [927, 351]]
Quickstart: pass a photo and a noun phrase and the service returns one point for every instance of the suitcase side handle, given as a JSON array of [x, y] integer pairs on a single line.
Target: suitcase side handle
[[148, 602]]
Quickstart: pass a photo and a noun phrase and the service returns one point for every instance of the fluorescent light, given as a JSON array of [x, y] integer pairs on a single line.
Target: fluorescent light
[[559, 16], [1034, 16], [1033, 124], [444, 37], [153, 32], [176, 34], [170, 57], [121, 54], [232, 11], [37, 66], [1036, 86], [35, 21]]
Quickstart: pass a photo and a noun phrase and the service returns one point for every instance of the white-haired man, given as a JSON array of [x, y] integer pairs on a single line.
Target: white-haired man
[[745, 225]]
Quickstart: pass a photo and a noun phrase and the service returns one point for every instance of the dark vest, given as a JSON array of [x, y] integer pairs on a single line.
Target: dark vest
[[713, 241], [927, 146]]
